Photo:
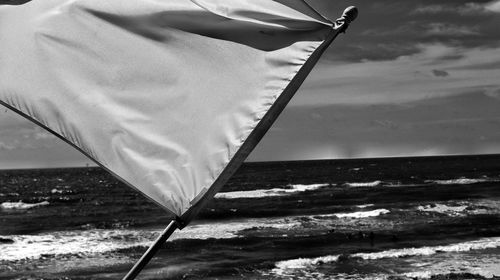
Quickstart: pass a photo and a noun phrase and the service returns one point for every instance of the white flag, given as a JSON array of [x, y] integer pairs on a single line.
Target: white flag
[[168, 96]]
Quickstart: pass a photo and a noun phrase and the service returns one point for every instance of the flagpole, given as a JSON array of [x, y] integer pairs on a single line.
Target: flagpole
[[151, 251]]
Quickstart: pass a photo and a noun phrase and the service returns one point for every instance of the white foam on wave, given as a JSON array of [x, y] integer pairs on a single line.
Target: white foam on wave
[[364, 184], [290, 267], [270, 192], [443, 209], [365, 206], [21, 205], [71, 242], [485, 265], [287, 268], [359, 214], [461, 181], [483, 243]]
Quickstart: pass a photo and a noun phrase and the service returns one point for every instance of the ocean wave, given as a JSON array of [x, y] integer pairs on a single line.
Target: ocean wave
[[9, 194], [359, 214], [365, 206], [21, 205], [483, 243], [461, 181], [89, 241], [269, 192], [364, 184], [469, 266], [443, 209], [98, 241], [289, 267], [72, 242]]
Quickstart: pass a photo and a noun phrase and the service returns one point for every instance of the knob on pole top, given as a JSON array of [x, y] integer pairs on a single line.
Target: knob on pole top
[[350, 13]]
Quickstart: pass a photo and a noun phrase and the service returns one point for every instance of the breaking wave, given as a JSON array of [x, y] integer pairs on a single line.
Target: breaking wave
[[483, 243], [358, 215], [288, 267], [269, 192], [283, 268], [461, 181], [364, 184], [21, 205], [97, 241], [365, 206], [443, 209]]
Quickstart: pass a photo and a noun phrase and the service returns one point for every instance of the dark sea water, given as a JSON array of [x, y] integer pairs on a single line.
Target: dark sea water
[[394, 218]]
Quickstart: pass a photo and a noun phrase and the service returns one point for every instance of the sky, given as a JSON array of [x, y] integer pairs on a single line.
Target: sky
[[409, 78]]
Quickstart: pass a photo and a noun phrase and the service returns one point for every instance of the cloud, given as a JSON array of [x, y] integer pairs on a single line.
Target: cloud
[[470, 8], [493, 6], [462, 9], [4, 146], [17, 133], [445, 29], [493, 92], [39, 134], [440, 73]]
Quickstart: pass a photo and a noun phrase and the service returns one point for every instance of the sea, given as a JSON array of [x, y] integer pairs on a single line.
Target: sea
[[385, 218]]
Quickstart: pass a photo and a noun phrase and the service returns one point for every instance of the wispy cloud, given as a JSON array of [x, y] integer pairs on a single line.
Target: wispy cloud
[[470, 8], [493, 6], [446, 29], [8, 147], [18, 133]]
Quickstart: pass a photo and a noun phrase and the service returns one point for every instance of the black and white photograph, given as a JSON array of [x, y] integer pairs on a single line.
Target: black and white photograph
[[249, 139]]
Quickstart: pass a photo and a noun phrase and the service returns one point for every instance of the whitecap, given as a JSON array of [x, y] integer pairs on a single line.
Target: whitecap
[[283, 268], [270, 192], [443, 209], [303, 265], [483, 243], [359, 214], [460, 181], [364, 184], [365, 206], [21, 205]]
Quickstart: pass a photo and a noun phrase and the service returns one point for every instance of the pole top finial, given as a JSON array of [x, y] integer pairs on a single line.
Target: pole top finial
[[350, 13]]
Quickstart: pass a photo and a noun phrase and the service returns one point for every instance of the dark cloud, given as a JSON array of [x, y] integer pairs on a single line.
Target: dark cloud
[[13, 2], [388, 29], [440, 73]]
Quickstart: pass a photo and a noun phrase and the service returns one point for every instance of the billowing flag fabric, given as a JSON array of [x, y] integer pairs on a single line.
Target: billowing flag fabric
[[168, 96]]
